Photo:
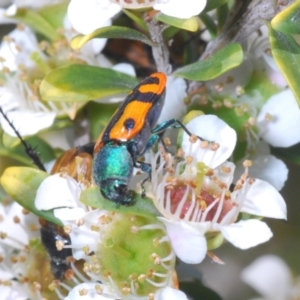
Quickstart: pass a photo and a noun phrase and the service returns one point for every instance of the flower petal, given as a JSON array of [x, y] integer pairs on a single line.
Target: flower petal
[[89, 15], [56, 191], [283, 128], [27, 122], [168, 293], [270, 276], [245, 234], [82, 236], [17, 233], [268, 168], [233, 78], [125, 68], [213, 129], [188, 243], [175, 95], [180, 9], [264, 200], [90, 287], [26, 43], [69, 214]]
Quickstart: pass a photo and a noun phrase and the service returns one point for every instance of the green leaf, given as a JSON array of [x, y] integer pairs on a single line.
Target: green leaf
[[37, 22], [140, 207], [209, 24], [288, 20], [190, 24], [222, 13], [131, 14], [227, 58], [99, 115], [112, 32], [12, 148], [55, 14], [212, 4], [286, 53], [21, 183], [79, 83]]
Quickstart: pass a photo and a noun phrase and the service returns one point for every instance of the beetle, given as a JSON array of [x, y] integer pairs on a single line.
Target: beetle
[[50, 232], [127, 136]]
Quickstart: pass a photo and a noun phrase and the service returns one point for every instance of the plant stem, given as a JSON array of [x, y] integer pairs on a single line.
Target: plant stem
[[160, 50]]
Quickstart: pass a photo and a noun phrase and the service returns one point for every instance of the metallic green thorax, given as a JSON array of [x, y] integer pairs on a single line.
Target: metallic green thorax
[[112, 170]]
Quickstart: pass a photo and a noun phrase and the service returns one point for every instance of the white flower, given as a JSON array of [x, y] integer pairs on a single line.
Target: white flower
[[265, 166], [174, 106], [271, 277], [89, 291], [61, 193], [17, 227], [91, 230], [279, 120], [20, 99], [274, 120], [194, 197], [87, 16]]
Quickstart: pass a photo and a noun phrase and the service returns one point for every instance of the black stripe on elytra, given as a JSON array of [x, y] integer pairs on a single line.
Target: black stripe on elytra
[[135, 95]]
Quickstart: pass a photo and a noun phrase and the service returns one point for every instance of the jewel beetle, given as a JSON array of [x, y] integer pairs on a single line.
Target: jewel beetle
[[50, 232], [128, 135]]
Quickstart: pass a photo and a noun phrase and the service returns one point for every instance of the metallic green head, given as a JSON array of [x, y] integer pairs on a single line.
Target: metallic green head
[[112, 172]]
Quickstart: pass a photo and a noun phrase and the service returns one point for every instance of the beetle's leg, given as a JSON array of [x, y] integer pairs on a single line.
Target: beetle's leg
[[170, 124], [30, 151], [146, 168]]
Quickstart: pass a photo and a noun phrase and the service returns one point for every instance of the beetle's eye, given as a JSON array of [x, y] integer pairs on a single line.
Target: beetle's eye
[[121, 188]]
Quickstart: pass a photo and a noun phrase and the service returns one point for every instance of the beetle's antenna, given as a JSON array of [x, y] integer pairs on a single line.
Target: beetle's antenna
[[30, 151]]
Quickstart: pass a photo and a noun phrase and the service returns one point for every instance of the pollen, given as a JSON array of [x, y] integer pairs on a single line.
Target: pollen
[[59, 245], [69, 274], [228, 103], [95, 228], [180, 153], [167, 141], [239, 90], [203, 205], [204, 144], [214, 146], [86, 250], [25, 211], [133, 276], [98, 289], [79, 222], [225, 169], [247, 163], [189, 159], [193, 139], [219, 87], [37, 286], [151, 297], [156, 242], [268, 117], [125, 290], [16, 219], [67, 229], [105, 219], [83, 292], [251, 180], [217, 104], [134, 229], [3, 235]]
